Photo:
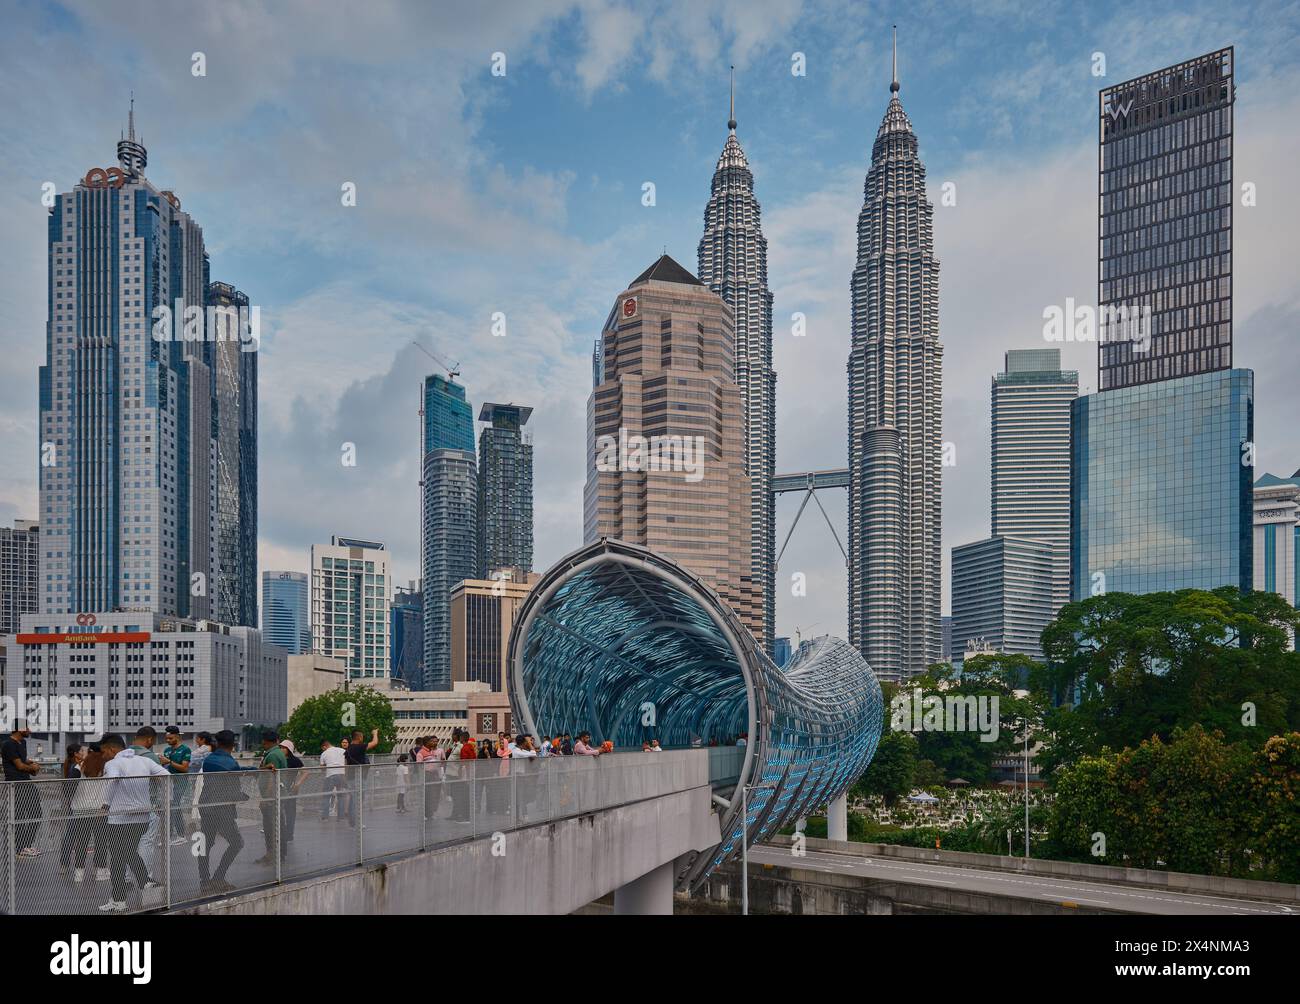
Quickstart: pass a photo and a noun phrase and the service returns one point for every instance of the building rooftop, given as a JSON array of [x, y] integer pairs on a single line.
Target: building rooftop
[[667, 270]]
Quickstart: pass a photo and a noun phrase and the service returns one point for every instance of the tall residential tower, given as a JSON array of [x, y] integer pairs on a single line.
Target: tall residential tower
[[733, 263], [449, 517], [505, 490], [895, 412]]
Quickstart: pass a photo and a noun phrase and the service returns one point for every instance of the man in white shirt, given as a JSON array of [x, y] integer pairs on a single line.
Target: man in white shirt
[[655, 747], [127, 790], [334, 760], [522, 749]]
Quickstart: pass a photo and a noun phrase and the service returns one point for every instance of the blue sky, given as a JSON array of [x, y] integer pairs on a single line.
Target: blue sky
[[522, 194]]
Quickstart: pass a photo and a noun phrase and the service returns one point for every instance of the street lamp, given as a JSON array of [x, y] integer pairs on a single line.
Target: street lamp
[[744, 842], [1026, 789]]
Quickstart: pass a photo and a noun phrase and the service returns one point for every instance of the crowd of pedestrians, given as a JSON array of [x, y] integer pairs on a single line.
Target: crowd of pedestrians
[[118, 819]]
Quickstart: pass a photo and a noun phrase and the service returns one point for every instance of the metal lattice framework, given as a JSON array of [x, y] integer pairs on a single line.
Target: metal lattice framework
[[625, 643]]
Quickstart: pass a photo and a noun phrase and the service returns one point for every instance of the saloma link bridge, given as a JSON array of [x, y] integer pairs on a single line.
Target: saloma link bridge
[[614, 639]]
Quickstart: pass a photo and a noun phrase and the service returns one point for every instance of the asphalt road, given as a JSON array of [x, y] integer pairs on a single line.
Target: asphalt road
[[1067, 892]]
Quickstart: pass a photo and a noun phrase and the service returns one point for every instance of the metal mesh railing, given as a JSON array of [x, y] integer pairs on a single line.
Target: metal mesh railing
[[217, 833]]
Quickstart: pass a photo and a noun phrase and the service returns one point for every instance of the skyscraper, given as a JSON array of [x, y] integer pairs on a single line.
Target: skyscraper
[[666, 434], [733, 263], [406, 636], [1165, 223], [133, 395], [284, 611], [1002, 595], [1277, 536], [232, 366], [505, 490], [895, 412], [1162, 455], [1030, 472], [449, 517], [19, 572], [349, 604]]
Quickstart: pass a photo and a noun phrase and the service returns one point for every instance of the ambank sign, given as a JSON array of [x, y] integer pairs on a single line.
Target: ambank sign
[[84, 638]]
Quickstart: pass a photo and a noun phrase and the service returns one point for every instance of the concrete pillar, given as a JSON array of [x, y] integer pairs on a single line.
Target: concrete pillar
[[837, 819], [650, 895]]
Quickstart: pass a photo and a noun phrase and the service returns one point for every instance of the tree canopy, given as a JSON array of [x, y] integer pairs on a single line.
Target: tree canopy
[[336, 713]]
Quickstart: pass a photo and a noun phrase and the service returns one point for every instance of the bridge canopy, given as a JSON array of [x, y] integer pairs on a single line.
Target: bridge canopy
[[621, 642]]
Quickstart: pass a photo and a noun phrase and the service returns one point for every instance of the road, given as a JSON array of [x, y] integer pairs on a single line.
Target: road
[[1066, 892]]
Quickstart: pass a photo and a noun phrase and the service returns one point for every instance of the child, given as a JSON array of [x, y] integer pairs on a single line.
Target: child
[[403, 778]]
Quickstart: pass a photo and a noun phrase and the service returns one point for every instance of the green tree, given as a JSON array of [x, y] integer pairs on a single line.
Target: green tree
[[890, 773], [1275, 805], [1122, 668], [337, 713], [970, 754]]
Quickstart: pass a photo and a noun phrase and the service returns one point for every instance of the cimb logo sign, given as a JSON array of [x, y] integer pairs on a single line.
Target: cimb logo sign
[[75, 957]]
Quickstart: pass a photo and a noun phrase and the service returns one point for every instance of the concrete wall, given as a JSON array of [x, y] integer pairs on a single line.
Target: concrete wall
[[1145, 878], [554, 867], [786, 889]]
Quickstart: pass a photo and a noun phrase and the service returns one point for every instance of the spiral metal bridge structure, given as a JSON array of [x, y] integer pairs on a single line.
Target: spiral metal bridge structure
[[622, 642]]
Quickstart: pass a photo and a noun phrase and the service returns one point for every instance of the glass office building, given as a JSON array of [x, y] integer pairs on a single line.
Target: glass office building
[[284, 611], [1161, 494], [406, 636], [1002, 595]]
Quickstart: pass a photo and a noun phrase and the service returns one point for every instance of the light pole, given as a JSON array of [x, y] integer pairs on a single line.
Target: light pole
[[1026, 789], [744, 842]]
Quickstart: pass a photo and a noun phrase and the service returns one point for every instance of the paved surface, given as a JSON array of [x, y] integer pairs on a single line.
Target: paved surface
[[1066, 892]]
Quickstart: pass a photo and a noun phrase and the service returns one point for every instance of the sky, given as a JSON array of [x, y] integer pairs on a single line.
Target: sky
[[521, 193]]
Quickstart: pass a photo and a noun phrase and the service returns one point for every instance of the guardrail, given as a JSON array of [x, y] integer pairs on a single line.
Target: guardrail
[[218, 833]]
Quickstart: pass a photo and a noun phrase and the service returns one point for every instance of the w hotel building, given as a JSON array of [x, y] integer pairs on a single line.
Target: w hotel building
[[665, 429], [1162, 455]]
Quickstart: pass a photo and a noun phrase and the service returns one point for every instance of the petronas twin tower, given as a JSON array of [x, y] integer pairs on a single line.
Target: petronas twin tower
[[895, 392], [895, 412]]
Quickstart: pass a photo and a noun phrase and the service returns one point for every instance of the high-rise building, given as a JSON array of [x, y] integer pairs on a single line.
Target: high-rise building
[[505, 490], [895, 412], [349, 604], [448, 517], [1162, 455], [232, 366], [284, 611], [1277, 536], [482, 614], [733, 263], [1165, 223], [135, 394], [1002, 594], [1030, 473], [666, 435], [406, 636], [19, 572]]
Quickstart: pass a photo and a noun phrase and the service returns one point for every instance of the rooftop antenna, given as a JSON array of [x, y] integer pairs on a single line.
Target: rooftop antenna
[[731, 121], [893, 87]]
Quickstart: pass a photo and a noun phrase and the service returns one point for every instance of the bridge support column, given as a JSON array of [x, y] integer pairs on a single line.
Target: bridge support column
[[837, 819], [650, 895]]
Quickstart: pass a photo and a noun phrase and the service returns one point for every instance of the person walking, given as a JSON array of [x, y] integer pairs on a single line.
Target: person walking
[[273, 760], [145, 738], [130, 802], [27, 801], [219, 801], [176, 758], [202, 747]]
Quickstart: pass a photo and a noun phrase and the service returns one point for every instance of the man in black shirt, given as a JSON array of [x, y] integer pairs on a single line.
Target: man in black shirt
[[356, 758], [27, 802]]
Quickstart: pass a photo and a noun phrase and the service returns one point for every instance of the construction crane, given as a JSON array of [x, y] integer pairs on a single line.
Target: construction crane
[[453, 369]]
